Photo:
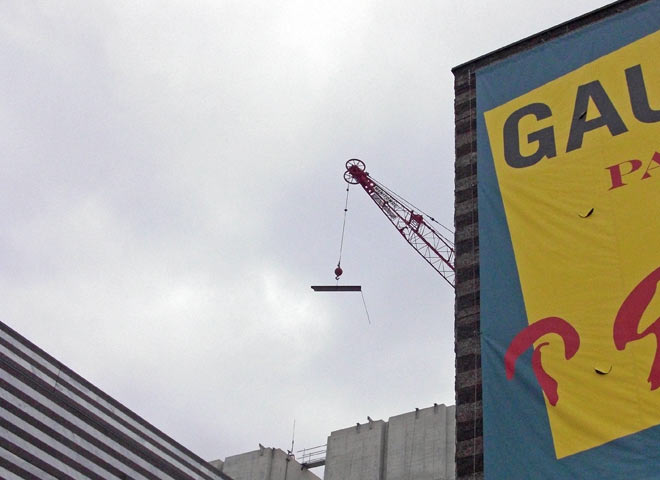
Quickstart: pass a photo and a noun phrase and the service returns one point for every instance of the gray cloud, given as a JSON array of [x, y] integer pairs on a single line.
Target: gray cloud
[[172, 186]]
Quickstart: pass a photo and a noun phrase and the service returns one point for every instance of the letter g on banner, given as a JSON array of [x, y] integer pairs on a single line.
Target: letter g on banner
[[545, 137]]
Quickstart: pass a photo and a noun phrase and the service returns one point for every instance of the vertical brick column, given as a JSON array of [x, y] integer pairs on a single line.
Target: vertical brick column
[[469, 426]]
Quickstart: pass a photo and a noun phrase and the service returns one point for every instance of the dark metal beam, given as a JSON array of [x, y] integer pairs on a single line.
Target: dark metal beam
[[337, 288]]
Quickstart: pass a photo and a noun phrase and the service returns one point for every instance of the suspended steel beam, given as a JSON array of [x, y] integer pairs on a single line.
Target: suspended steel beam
[[337, 288]]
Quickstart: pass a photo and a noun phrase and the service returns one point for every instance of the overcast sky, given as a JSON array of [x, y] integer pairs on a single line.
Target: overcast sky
[[171, 186]]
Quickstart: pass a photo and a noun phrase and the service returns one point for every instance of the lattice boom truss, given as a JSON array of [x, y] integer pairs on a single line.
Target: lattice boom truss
[[435, 248]]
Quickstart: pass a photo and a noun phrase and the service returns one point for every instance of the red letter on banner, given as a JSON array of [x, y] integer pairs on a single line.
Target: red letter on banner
[[616, 174], [628, 318], [655, 158], [526, 339]]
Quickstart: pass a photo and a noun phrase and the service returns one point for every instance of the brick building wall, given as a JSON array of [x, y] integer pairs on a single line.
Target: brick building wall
[[469, 458]]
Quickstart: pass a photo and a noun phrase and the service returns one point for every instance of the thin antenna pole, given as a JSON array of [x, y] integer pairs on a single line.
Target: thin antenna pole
[[293, 436]]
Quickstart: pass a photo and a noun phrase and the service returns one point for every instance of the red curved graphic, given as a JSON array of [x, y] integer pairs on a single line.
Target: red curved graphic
[[628, 319], [526, 339]]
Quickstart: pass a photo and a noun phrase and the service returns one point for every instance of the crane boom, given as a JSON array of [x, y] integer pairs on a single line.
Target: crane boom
[[436, 249]]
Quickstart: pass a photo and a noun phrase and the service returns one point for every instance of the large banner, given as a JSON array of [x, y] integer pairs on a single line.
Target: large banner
[[569, 222]]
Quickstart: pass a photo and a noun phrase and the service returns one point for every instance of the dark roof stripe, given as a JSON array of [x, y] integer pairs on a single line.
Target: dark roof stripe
[[93, 420], [82, 448], [58, 454], [114, 404], [102, 410], [12, 471], [30, 406], [33, 460]]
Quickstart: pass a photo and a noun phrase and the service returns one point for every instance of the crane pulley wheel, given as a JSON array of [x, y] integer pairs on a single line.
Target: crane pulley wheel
[[353, 165]]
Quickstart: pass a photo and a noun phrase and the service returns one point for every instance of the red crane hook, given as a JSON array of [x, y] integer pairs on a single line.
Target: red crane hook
[[338, 272]]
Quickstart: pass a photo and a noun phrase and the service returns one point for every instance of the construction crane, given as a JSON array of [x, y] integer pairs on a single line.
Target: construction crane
[[434, 247]]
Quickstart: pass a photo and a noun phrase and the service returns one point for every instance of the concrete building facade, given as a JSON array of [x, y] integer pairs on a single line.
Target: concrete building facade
[[418, 445], [56, 424], [264, 464]]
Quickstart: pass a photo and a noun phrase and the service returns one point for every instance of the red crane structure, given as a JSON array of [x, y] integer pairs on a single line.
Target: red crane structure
[[434, 247]]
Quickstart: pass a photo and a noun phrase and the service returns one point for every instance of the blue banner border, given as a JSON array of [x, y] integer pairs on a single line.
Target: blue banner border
[[517, 438]]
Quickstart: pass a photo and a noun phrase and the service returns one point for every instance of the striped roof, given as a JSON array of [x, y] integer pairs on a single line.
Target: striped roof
[[56, 424]]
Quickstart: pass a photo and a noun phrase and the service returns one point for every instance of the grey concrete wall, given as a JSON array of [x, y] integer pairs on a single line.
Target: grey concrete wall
[[217, 464], [356, 453], [420, 445], [265, 464]]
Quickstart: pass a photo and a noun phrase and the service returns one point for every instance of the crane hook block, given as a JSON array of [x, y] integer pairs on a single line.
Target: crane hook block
[[338, 272]]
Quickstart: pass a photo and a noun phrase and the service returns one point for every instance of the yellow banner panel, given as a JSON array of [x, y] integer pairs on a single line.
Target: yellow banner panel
[[578, 165]]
